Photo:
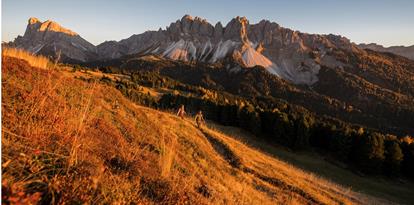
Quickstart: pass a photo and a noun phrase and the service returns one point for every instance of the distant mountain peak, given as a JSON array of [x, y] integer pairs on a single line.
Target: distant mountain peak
[[50, 38], [33, 20], [187, 17], [36, 24], [406, 51], [242, 19]]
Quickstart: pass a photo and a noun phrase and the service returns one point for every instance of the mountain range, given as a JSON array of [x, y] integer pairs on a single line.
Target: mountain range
[[327, 74], [289, 54], [406, 51]]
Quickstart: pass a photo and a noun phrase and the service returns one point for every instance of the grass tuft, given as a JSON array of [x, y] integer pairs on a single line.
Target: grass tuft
[[33, 60]]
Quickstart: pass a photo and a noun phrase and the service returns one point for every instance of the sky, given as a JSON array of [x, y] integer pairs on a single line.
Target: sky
[[385, 22]]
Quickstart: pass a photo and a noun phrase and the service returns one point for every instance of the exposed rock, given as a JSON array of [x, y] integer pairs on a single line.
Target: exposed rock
[[48, 26], [260, 48], [49, 38], [33, 20], [236, 29], [218, 31]]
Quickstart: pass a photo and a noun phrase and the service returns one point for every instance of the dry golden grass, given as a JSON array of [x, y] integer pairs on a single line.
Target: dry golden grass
[[320, 190], [65, 141], [376, 186], [33, 60], [167, 155]]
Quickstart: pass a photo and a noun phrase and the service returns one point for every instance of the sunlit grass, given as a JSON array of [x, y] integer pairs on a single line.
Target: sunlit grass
[[65, 141], [33, 60]]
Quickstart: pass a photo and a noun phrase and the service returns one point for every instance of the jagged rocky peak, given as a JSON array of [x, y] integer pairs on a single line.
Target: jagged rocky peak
[[35, 25], [51, 39], [190, 18], [187, 17], [218, 31], [341, 42], [279, 50], [55, 27], [33, 20], [236, 29], [189, 25]]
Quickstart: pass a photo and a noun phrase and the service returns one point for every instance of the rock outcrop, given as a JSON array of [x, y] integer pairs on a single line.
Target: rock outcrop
[[50, 39]]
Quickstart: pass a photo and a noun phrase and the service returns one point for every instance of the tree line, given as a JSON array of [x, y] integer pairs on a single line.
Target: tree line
[[295, 127]]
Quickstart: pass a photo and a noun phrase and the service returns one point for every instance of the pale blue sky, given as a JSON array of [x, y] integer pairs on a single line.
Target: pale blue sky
[[380, 21]]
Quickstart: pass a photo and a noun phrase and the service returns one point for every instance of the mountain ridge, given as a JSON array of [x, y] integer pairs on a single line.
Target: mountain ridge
[[406, 51], [49, 26], [192, 39], [283, 52]]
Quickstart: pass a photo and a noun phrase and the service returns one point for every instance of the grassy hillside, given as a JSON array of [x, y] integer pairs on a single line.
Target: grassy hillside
[[68, 140]]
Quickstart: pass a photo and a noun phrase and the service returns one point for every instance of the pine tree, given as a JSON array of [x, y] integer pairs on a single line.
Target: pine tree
[[393, 157], [369, 152], [408, 160]]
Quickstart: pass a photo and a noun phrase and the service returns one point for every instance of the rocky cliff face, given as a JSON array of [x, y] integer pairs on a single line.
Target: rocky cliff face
[[288, 54], [406, 51], [50, 39]]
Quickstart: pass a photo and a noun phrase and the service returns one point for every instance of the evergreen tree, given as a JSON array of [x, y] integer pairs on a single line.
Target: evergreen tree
[[369, 152], [249, 119], [303, 132], [408, 160], [393, 157], [283, 129]]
